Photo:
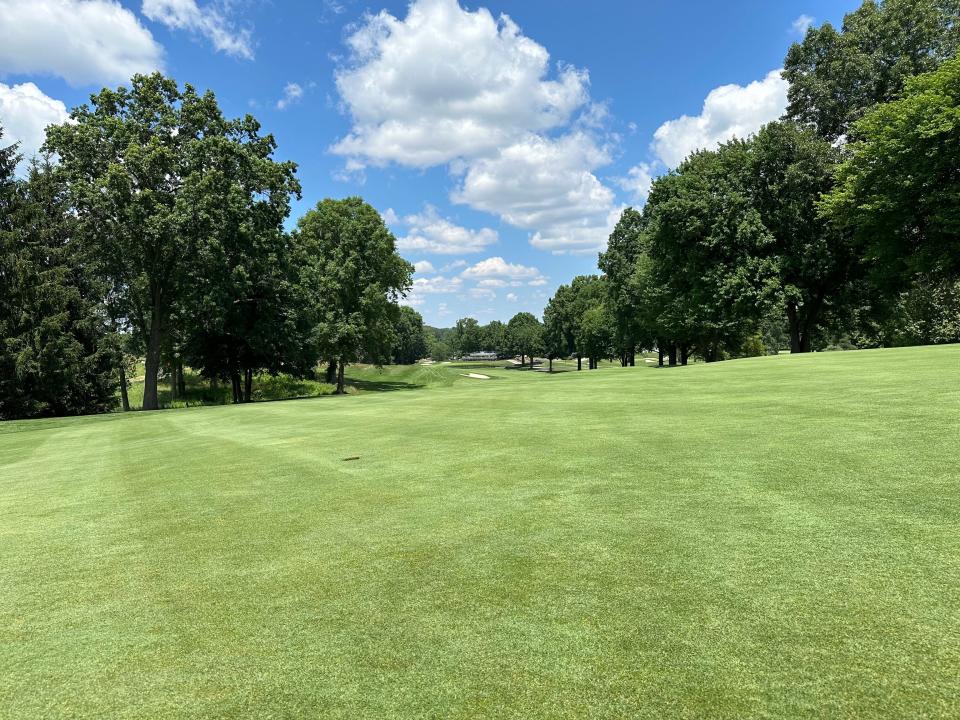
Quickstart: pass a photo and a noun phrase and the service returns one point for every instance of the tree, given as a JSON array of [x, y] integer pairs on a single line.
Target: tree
[[56, 352], [467, 336], [525, 335], [494, 337], [708, 247], [596, 333], [836, 76], [788, 169], [350, 279], [618, 263], [152, 171], [899, 191], [410, 342]]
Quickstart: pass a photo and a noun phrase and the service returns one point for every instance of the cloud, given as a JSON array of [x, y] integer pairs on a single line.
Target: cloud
[[446, 83], [84, 42], [638, 181], [482, 293], [497, 267], [25, 112], [802, 24], [728, 111], [454, 265], [538, 282], [292, 92], [437, 285], [206, 21], [512, 297], [429, 232], [423, 267], [546, 186]]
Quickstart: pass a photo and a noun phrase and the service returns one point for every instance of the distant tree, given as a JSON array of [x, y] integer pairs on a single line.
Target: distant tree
[[438, 349], [899, 191], [525, 335], [350, 279], [57, 354], [410, 342], [558, 337], [494, 337], [468, 336], [596, 333], [157, 177], [835, 76]]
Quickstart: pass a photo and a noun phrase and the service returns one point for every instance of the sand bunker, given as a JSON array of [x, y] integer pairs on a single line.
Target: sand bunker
[[476, 376]]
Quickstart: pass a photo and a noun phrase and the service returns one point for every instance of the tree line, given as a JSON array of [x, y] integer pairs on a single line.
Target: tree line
[[158, 233], [838, 225]]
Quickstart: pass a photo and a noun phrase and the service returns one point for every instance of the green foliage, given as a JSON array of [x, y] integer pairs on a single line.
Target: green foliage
[[56, 354], [170, 198], [494, 338], [467, 336], [350, 279], [410, 341], [899, 192], [835, 76], [525, 335], [710, 251]]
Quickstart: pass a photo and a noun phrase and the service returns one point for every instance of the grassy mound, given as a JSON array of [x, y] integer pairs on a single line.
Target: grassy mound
[[772, 537]]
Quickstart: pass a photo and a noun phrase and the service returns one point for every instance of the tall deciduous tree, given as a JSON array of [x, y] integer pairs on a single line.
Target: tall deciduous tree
[[152, 170], [788, 169], [525, 333], [618, 262], [410, 342], [710, 247], [835, 76], [351, 278], [899, 191]]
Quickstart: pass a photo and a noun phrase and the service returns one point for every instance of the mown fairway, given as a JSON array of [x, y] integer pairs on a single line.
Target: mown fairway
[[773, 537]]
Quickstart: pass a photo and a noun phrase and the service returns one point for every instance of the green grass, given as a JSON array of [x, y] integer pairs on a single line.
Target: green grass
[[772, 537]]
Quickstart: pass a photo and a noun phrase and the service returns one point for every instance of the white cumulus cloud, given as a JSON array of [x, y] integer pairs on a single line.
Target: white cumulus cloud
[[638, 181], [546, 186], [429, 232], [446, 83], [424, 267], [206, 21], [729, 111], [497, 267], [82, 41], [25, 112]]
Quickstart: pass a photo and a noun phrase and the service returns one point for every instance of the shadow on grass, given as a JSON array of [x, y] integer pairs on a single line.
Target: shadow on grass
[[381, 385]]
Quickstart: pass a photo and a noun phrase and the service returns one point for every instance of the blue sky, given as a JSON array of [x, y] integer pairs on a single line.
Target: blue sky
[[500, 139]]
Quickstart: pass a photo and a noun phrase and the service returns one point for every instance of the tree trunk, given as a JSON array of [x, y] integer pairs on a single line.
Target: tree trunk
[[340, 385], [235, 383], [672, 354], [174, 385], [124, 398], [523, 359], [579, 362], [684, 354], [633, 358], [660, 353], [152, 365], [551, 364], [247, 384], [181, 383], [331, 372]]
